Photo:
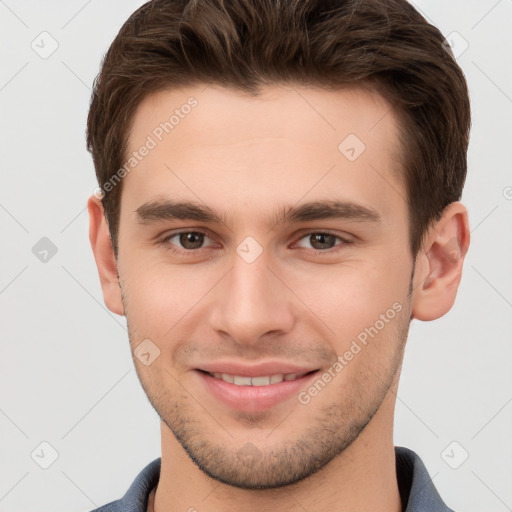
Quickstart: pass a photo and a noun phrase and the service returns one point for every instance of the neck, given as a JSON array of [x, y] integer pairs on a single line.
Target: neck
[[361, 478]]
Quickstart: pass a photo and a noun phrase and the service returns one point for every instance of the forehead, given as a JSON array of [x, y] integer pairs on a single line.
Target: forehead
[[286, 111], [228, 148]]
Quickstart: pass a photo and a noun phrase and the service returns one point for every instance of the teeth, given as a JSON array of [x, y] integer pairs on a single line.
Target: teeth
[[260, 381], [256, 381], [242, 381]]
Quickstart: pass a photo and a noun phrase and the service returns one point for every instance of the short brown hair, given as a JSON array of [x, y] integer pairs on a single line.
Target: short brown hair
[[247, 44]]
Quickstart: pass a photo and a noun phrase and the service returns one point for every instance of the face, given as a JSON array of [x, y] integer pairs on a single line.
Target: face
[[264, 263]]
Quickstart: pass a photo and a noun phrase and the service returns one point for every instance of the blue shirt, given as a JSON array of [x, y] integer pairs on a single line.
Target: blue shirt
[[417, 491]]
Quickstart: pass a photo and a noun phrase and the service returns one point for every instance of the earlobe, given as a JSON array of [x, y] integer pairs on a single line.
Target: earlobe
[[104, 255], [439, 264]]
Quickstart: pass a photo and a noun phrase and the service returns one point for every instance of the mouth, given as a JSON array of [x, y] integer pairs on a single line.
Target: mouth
[[254, 393], [262, 380]]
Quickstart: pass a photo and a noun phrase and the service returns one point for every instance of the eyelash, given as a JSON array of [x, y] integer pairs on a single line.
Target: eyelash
[[190, 252]]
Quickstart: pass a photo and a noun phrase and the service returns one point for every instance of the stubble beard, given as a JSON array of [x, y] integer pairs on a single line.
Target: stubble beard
[[242, 464]]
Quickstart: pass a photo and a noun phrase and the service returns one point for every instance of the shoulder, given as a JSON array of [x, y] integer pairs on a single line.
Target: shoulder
[[136, 497], [417, 490]]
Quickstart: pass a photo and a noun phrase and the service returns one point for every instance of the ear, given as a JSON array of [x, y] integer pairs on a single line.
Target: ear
[[438, 267], [101, 244]]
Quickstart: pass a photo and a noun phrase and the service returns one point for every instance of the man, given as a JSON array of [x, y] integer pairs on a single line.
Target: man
[[279, 197]]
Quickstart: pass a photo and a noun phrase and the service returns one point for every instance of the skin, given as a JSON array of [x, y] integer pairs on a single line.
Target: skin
[[249, 157]]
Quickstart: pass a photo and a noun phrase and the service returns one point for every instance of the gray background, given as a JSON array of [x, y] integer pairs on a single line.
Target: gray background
[[66, 372]]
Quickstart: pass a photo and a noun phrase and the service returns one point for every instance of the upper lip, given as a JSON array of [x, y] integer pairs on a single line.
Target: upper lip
[[255, 370]]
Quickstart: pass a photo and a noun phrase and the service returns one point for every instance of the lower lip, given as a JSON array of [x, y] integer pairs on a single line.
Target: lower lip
[[253, 398]]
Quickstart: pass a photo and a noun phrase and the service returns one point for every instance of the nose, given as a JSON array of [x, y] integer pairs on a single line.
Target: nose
[[251, 303]]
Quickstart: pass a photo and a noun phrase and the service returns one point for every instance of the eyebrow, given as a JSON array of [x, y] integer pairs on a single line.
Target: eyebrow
[[161, 210]]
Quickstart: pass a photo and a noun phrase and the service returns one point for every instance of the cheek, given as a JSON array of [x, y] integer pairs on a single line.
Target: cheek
[[161, 297], [350, 297]]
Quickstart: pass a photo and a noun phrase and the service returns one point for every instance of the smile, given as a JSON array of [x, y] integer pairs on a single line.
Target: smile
[[264, 380]]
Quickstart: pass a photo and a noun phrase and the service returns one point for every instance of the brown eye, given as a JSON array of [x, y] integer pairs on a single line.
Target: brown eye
[[186, 241], [191, 240], [320, 241]]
